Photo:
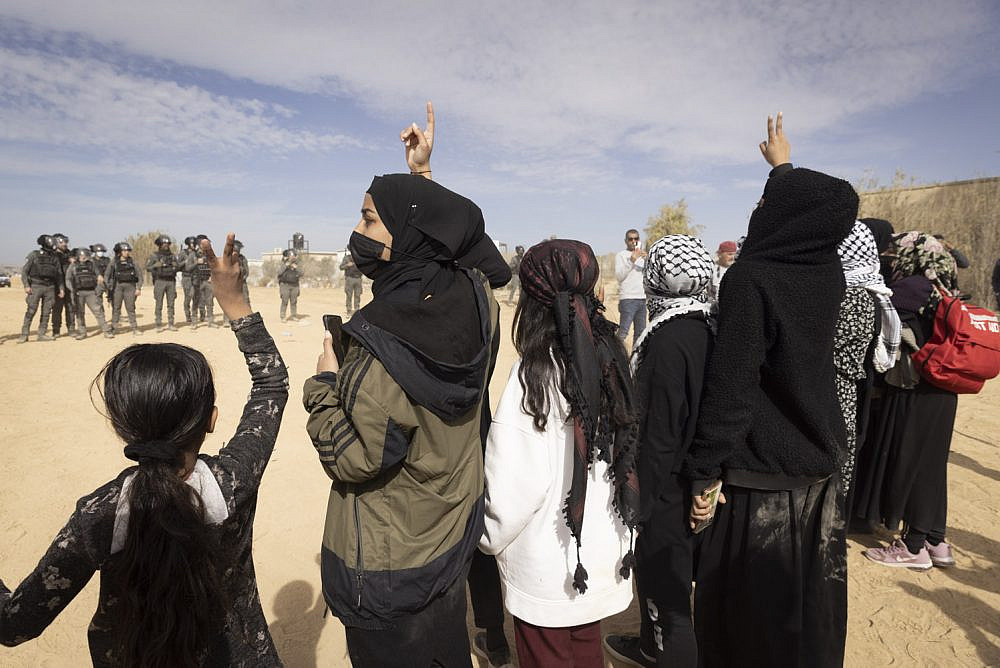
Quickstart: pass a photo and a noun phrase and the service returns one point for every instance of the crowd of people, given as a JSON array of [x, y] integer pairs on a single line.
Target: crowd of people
[[758, 411]]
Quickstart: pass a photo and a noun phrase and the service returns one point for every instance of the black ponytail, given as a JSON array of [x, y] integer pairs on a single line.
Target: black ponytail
[[170, 603]]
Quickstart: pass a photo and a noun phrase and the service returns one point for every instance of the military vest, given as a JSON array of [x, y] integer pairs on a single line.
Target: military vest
[[125, 271], [85, 278]]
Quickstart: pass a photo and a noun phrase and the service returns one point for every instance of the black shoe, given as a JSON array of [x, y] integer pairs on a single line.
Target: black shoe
[[626, 650], [497, 658], [23, 338]]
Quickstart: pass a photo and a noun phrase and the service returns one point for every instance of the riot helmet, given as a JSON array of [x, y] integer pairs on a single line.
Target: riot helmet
[[162, 240], [289, 254], [82, 254], [62, 241], [98, 249], [122, 246], [237, 245], [190, 241], [47, 242]]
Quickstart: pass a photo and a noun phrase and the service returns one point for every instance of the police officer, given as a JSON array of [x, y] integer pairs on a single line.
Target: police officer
[[244, 273], [101, 262], [288, 282], [515, 268], [164, 265], [124, 280], [63, 302], [188, 258], [84, 281], [43, 282], [202, 282], [352, 283]]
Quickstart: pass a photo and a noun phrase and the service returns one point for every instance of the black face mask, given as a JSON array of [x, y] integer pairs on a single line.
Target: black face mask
[[367, 254]]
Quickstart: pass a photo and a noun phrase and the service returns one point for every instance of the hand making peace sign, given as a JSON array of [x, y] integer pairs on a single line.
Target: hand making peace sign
[[419, 144]]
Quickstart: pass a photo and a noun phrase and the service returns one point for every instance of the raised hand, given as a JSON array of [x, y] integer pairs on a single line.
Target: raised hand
[[226, 278], [776, 150], [419, 144]]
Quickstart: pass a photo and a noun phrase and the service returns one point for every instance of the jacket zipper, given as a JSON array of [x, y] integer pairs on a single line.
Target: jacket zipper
[[360, 561]]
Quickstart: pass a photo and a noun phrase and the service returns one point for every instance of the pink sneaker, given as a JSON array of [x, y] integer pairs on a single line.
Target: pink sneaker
[[940, 554], [897, 556]]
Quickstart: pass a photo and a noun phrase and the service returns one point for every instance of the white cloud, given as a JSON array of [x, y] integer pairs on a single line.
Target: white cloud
[[85, 102], [677, 80]]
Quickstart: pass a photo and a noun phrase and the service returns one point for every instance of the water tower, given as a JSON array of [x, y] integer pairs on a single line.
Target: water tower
[[298, 243]]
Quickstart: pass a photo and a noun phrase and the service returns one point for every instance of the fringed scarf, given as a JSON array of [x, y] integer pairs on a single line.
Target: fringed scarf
[[859, 256], [677, 277], [561, 274]]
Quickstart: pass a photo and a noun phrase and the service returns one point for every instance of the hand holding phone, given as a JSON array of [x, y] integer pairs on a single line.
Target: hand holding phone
[[703, 507], [333, 345]]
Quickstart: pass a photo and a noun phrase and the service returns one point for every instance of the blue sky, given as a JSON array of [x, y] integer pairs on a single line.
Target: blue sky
[[577, 119]]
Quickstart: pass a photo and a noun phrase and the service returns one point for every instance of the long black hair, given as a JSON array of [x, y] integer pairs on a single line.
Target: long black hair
[[170, 599], [536, 340]]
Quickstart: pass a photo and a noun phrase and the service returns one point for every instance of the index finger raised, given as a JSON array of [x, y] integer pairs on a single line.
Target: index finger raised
[[227, 252], [777, 128]]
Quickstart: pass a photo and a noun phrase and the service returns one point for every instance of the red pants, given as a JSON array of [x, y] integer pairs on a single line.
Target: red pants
[[567, 647]]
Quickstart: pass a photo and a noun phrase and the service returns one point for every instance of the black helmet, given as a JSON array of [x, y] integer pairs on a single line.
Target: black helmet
[[60, 238], [47, 242], [237, 245], [82, 254], [162, 240], [190, 241], [122, 246], [519, 250], [98, 248], [289, 252]]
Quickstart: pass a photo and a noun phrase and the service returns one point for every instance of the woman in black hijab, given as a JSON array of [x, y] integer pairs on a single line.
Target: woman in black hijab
[[398, 426]]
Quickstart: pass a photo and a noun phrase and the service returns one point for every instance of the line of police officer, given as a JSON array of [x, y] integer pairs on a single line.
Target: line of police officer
[[73, 281]]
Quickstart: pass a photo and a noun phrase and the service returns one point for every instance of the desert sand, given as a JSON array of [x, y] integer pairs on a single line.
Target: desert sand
[[58, 448]]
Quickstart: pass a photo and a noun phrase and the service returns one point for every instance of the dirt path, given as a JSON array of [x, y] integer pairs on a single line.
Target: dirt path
[[57, 448]]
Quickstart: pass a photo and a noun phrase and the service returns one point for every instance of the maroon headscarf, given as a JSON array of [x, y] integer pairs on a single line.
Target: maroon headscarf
[[561, 274]]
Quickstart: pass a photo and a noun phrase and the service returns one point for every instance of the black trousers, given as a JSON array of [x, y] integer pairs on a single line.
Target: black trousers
[[435, 636], [664, 554], [485, 592]]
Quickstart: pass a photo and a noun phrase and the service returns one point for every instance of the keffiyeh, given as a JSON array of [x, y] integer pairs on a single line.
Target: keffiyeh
[[677, 278], [859, 256], [561, 274]]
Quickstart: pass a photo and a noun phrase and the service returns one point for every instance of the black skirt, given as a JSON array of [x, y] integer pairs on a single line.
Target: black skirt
[[902, 474], [772, 579]]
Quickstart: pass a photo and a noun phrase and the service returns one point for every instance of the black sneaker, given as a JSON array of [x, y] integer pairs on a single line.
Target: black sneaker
[[626, 650], [495, 659]]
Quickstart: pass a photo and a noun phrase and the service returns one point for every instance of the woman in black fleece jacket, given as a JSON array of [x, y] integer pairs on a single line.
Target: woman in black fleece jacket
[[771, 578]]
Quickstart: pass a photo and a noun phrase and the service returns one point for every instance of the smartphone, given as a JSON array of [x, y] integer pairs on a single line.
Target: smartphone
[[712, 494], [334, 324]]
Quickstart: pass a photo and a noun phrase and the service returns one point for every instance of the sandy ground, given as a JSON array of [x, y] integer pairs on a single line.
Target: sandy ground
[[57, 448]]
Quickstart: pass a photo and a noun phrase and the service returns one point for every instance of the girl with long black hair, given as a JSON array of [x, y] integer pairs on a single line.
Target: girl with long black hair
[[562, 496], [172, 537]]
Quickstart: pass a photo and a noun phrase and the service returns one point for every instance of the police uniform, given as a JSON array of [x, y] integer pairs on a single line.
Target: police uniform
[[187, 258], [83, 284], [164, 268], [64, 303], [42, 274], [101, 263], [202, 282], [352, 282], [288, 286], [124, 279]]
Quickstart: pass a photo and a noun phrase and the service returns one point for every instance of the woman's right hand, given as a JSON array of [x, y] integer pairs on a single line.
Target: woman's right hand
[[327, 362], [701, 508], [419, 144], [226, 279], [776, 150]]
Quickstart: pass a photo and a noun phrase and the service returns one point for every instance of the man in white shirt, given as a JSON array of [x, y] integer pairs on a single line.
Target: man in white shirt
[[725, 257], [629, 265]]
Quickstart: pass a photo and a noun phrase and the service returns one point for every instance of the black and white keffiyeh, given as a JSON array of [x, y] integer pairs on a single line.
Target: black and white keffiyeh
[[677, 278], [859, 256]]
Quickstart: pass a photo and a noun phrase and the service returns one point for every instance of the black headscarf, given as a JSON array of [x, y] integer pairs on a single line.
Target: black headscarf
[[882, 230], [561, 274], [436, 233]]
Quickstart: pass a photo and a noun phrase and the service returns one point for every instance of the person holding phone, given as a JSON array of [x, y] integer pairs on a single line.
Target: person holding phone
[[629, 265], [397, 424], [772, 588]]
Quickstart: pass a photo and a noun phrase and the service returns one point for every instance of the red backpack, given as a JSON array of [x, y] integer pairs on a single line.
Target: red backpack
[[964, 350]]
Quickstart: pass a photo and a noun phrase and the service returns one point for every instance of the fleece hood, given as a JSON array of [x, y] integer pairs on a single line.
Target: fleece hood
[[447, 388]]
